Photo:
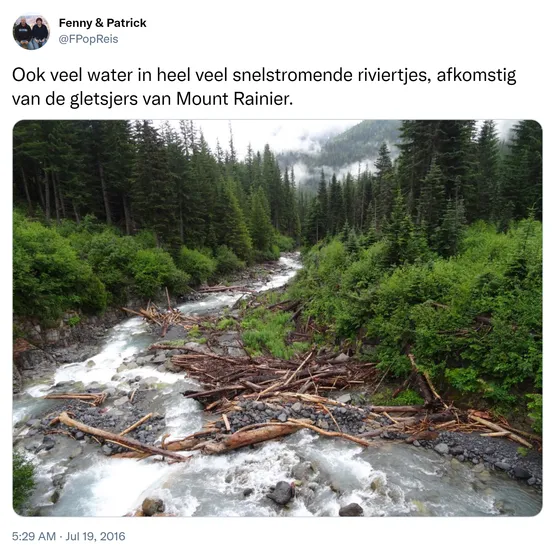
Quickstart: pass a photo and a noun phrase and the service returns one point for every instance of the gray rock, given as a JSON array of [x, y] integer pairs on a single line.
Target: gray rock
[[442, 448], [341, 358], [247, 492], [352, 509], [115, 378], [159, 359], [33, 445], [489, 450], [521, 473], [345, 399], [282, 494], [531, 481], [460, 458], [79, 435], [107, 450], [132, 365], [457, 450], [502, 466], [478, 468], [153, 505], [33, 423], [302, 471], [121, 368], [282, 417], [416, 443], [121, 401]]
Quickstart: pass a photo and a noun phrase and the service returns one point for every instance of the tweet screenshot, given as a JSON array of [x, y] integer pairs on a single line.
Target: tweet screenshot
[[274, 267]]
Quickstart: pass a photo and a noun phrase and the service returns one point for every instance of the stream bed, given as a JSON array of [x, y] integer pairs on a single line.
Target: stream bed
[[389, 478]]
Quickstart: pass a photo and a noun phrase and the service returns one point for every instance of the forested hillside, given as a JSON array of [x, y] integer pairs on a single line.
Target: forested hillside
[[359, 145], [109, 208], [438, 255]]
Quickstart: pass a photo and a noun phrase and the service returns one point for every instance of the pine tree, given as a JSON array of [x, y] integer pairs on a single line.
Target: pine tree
[[336, 215], [487, 173], [432, 204], [261, 230]]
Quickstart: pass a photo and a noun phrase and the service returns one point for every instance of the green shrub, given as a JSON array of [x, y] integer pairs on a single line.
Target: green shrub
[[154, 269], [227, 261], [199, 266], [284, 243], [23, 481], [535, 406], [48, 275]]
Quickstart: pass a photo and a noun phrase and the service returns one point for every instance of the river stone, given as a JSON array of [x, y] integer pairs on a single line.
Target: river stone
[[302, 471], [79, 435], [33, 423], [75, 453], [115, 378], [503, 466], [91, 363], [282, 417], [521, 473], [345, 399], [478, 468], [159, 359], [107, 450], [132, 365], [152, 506], [282, 494], [121, 401], [48, 443], [442, 448], [121, 368], [457, 450], [341, 358], [352, 509], [248, 491]]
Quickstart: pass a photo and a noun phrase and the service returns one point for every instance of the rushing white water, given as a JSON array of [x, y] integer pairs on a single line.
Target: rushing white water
[[385, 479]]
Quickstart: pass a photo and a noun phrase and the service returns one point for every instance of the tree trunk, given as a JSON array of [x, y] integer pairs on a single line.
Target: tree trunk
[[76, 212], [27, 195], [61, 197], [46, 196], [181, 228], [127, 214], [56, 201], [40, 190], [105, 194]]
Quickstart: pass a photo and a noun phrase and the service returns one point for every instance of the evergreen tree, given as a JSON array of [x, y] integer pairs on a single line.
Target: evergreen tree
[[261, 230]]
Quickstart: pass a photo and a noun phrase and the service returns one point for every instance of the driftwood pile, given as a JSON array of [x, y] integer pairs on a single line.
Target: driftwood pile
[[261, 377]]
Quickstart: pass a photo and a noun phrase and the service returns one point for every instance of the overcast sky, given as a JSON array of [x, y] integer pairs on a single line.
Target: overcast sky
[[283, 135]]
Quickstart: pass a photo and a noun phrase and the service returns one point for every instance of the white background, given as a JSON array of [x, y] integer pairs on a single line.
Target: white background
[[421, 35]]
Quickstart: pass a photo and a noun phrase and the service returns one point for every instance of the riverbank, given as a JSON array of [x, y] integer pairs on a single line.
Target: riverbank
[[75, 470]]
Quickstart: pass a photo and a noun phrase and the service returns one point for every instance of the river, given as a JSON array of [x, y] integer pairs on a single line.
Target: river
[[386, 479]]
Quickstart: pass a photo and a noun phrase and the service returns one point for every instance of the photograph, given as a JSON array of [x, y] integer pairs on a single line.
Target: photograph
[[31, 32], [276, 318]]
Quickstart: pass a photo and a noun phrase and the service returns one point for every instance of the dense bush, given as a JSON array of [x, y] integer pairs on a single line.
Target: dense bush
[[227, 261], [198, 265], [472, 321], [48, 275], [23, 481], [154, 269], [284, 243]]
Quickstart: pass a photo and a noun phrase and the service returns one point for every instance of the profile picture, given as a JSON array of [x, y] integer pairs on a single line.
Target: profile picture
[[31, 32]]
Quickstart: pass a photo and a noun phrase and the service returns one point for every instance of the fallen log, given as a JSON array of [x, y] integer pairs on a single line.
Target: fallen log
[[352, 438], [498, 428], [118, 439], [252, 437], [96, 399], [136, 424]]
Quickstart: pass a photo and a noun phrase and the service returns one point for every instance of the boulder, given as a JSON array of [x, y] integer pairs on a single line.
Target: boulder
[[282, 494], [352, 509], [152, 506], [341, 358], [344, 399], [521, 473], [442, 448], [247, 492], [503, 466]]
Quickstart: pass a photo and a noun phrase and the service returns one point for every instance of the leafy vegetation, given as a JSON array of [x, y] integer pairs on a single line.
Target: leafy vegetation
[[23, 481]]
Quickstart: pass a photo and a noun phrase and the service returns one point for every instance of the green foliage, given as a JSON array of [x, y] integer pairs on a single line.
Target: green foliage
[[48, 276], [225, 324], [154, 269], [284, 243], [522, 451], [198, 265], [74, 320], [535, 406], [473, 321], [23, 481], [265, 331], [227, 261], [408, 397]]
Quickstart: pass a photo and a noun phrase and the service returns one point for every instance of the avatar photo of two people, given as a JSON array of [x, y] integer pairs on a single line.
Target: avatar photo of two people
[[31, 32]]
